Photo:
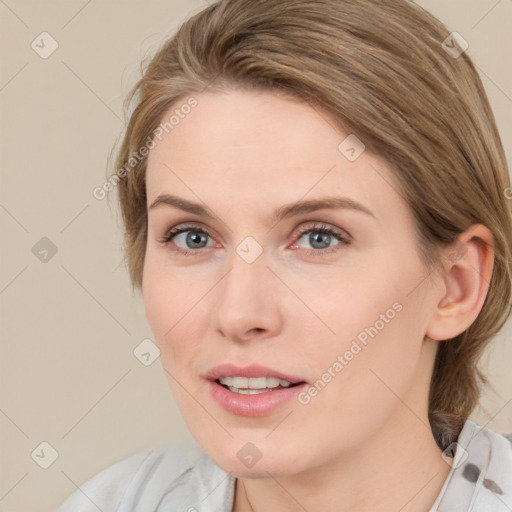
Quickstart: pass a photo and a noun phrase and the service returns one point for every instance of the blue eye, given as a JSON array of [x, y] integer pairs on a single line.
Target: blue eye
[[322, 239], [188, 239]]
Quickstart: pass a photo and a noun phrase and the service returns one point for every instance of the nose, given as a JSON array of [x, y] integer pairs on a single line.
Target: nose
[[247, 304]]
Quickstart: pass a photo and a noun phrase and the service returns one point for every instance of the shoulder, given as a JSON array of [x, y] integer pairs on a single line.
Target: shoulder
[[142, 480], [487, 449], [105, 489], [481, 474], [508, 437], [499, 445]]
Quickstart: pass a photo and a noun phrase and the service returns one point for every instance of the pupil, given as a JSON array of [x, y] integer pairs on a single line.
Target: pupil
[[194, 239], [320, 238]]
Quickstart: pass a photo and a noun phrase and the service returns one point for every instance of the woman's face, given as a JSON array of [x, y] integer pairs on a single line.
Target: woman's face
[[331, 294]]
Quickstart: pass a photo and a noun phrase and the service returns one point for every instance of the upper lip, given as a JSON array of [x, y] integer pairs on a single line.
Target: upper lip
[[253, 370]]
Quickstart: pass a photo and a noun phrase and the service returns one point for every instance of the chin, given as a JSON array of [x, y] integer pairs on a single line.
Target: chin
[[255, 460]]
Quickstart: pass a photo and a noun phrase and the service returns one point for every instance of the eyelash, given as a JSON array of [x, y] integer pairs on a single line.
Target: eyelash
[[322, 228]]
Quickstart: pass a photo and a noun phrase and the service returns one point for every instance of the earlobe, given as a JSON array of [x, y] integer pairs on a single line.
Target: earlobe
[[466, 277]]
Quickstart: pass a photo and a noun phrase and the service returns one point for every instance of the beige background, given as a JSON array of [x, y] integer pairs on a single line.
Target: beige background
[[69, 325]]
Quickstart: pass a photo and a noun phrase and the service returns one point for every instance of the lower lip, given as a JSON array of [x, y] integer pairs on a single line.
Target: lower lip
[[261, 404]]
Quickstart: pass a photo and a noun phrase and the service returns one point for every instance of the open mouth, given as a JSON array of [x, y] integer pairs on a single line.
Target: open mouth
[[258, 394], [254, 385]]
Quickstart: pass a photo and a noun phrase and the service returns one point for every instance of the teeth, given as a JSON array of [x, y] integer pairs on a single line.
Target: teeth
[[227, 381], [240, 384], [262, 382], [247, 391]]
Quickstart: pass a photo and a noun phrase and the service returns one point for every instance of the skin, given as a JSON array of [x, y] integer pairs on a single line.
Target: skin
[[364, 442]]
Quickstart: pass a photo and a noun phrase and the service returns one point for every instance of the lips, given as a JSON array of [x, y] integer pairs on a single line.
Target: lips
[[251, 371], [253, 400]]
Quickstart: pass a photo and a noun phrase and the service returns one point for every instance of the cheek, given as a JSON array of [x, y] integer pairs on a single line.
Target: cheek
[[344, 303], [176, 313], [368, 379], [159, 302], [176, 307], [371, 336]]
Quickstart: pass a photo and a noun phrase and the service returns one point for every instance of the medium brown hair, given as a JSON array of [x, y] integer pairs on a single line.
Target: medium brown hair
[[383, 69]]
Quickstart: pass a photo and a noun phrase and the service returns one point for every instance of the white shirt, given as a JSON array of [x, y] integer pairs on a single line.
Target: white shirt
[[169, 478]]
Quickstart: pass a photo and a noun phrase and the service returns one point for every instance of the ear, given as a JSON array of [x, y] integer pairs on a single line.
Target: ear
[[467, 275]]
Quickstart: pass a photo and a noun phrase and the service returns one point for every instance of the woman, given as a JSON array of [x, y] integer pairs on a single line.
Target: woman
[[314, 195]]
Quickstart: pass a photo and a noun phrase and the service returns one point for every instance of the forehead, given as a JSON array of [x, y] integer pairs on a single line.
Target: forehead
[[236, 125], [266, 148]]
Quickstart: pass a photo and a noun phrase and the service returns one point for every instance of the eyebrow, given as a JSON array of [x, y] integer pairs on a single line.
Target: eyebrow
[[281, 213]]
